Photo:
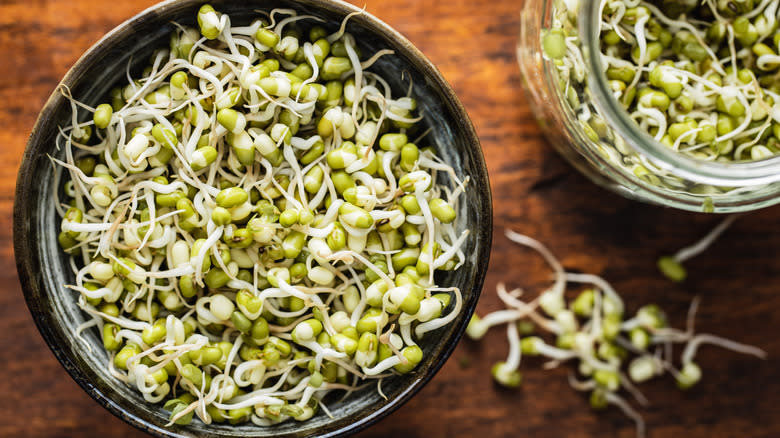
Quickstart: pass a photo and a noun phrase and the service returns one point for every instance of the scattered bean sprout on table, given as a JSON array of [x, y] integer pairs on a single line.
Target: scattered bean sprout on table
[[612, 353]]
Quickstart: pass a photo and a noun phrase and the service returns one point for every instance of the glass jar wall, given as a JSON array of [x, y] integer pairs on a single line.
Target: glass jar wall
[[575, 104]]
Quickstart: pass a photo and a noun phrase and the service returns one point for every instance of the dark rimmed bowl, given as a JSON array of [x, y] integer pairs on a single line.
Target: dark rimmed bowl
[[43, 268]]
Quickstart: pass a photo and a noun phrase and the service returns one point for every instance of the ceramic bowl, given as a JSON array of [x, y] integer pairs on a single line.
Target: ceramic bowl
[[43, 268]]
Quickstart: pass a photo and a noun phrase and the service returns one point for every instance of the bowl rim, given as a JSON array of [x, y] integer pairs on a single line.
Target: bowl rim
[[25, 251]]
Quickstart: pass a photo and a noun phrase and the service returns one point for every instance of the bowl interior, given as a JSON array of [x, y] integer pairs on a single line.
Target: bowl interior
[[44, 269]]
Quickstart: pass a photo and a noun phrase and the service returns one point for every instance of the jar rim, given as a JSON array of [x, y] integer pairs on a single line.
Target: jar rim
[[742, 173]]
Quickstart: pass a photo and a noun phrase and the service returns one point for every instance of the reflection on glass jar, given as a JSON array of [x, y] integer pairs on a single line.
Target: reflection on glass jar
[[640, 136]]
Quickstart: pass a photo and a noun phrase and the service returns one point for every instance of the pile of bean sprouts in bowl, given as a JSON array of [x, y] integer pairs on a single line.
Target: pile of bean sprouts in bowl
[[252, 219]]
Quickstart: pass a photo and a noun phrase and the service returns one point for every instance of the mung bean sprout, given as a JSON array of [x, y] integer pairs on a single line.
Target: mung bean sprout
[[611, 352], [250, 225]]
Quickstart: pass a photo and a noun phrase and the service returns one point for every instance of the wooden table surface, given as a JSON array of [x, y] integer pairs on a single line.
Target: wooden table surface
[[534, 192]]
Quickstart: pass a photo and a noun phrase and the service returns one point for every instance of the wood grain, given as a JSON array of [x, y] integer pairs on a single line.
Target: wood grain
[[472, 43]]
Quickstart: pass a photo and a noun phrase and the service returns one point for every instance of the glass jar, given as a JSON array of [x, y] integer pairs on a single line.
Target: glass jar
[[590, 128]]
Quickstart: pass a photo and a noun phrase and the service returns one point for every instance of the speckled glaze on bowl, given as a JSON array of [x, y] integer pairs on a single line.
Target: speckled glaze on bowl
[[43, 268]]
